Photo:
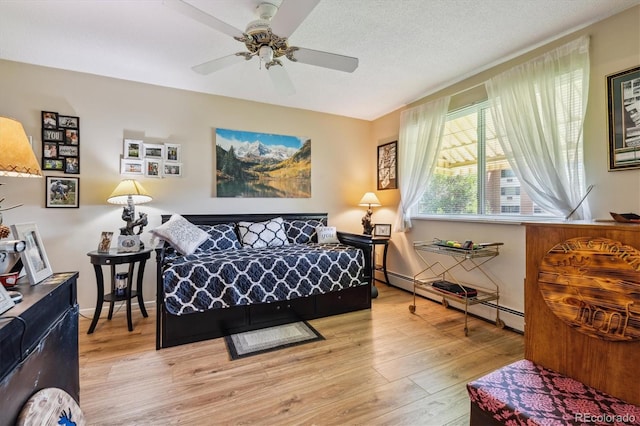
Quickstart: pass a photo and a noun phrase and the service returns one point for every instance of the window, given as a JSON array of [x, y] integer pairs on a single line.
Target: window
[[473, 176]]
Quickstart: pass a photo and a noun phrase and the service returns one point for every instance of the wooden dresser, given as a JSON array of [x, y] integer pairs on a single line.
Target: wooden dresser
[[597, 342], [39, 350]]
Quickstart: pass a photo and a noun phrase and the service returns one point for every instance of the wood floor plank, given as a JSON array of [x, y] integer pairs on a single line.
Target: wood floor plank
[[379, 366]]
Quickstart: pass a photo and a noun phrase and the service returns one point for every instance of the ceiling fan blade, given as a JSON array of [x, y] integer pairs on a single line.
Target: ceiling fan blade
[[290, 15], [218, 64], [325, 59], [202, 17], [281, 81]]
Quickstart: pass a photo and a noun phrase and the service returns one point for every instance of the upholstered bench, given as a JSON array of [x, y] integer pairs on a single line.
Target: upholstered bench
[[525, 393]]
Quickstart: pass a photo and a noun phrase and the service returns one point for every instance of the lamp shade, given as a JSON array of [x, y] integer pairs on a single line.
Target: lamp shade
[[129, 188], [16, 155], [369, 199]]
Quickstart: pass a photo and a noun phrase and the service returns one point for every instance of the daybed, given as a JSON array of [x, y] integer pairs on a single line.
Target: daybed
[[233, 283]]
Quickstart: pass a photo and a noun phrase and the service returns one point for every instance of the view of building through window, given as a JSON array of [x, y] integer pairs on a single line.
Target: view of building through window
[[473, 177]]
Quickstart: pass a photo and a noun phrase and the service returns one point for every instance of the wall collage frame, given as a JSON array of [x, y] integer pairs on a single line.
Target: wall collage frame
[[154, 160], [61, 153]]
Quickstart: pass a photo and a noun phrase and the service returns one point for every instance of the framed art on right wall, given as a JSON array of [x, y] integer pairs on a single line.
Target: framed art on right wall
[[623, 102], [388, 166]]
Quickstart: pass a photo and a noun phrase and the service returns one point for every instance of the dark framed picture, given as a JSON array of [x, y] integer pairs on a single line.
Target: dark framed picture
[[49, 120], [68, 122], [62, 192], [53, 164], [382, 230], [49, 149], [623, 99], [72, 136], [72, 165], [67, 150], [52, 135], [388, 166]]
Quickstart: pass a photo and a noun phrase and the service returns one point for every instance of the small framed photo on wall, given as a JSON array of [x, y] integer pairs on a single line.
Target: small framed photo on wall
[[133, 148], [153, 150], [153, 168], [172, 169], [131, 167], [172, 153]]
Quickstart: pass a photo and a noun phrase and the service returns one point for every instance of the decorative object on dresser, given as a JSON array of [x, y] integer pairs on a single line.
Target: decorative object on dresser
[[60, 142], [311, 280], [369, 200], [34, 257], [130, 192]]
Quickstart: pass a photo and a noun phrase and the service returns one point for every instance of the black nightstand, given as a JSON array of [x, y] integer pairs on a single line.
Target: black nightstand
[[113, 258], [371, 241]]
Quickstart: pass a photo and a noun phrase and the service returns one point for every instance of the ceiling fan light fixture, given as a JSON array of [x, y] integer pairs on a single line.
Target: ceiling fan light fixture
[[266, 10], [266, 54]]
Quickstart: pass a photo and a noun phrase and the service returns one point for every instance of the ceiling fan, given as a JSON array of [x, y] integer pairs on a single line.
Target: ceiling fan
[[261, 41]]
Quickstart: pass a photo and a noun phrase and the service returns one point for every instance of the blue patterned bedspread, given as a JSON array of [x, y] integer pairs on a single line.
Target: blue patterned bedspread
[[219, 279]]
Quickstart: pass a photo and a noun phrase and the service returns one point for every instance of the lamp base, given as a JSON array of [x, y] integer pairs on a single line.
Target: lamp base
[[366, 223]]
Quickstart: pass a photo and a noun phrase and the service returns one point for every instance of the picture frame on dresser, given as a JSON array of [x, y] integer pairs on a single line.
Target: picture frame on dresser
[[6, 302], [34, 257]]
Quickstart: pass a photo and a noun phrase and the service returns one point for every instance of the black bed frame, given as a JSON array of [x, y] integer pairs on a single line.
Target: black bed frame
[[173, 330]]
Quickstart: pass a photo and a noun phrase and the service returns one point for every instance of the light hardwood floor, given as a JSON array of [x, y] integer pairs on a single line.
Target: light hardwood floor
[[379, 366]]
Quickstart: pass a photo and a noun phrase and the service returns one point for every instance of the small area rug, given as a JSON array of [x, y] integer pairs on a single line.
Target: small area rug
[[255, 342]]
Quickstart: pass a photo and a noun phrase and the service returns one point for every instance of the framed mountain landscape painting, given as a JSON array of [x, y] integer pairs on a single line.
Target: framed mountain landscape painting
[[262, 165]]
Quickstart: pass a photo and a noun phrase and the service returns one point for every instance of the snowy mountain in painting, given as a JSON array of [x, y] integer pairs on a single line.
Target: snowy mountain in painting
[[258, 149]]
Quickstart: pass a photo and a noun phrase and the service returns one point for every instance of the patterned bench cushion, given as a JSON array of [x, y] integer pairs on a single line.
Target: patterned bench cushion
[[219, 279], [525, 393]]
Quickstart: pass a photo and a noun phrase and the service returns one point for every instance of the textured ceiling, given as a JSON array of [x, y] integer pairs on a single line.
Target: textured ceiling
[[406, 48]]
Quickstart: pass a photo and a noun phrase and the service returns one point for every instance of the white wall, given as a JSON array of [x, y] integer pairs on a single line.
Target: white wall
[[615, 46], [111, 109]]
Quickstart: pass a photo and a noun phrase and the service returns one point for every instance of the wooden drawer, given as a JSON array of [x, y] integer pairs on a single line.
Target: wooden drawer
[[294, 309], [344, 301]]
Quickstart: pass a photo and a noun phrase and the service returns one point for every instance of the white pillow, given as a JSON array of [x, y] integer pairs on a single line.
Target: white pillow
[[327, 234], [183, 235], [270, 233]]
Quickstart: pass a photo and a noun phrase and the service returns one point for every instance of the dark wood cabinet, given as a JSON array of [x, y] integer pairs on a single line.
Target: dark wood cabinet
[[39, 343]]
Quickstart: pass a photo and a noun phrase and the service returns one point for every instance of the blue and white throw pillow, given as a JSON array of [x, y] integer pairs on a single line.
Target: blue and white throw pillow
[[269, 233], [302, 231], [222, 236]]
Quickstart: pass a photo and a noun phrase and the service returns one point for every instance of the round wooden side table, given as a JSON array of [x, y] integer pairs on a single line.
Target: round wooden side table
[[113, 258]]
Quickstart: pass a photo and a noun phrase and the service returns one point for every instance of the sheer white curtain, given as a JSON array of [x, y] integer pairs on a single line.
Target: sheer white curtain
[[419, 145], [538, 109]]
